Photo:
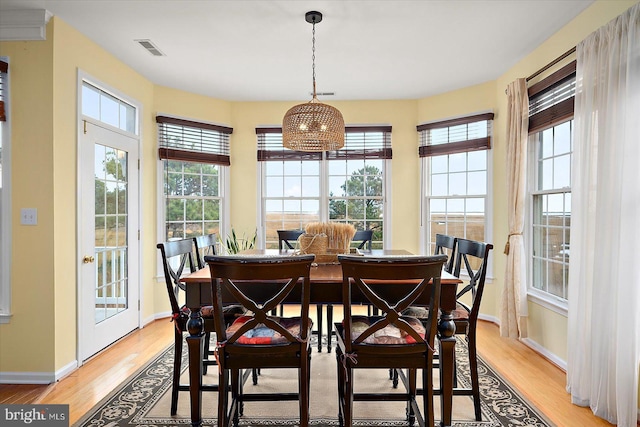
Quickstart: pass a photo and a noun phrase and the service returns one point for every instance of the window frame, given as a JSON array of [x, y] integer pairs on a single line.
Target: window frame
[[324, 159], [478, 144], [559, 111], [223, 189], [5, 202]]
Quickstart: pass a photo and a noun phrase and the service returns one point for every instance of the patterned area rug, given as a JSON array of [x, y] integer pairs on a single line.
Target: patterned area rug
[[143, 400]]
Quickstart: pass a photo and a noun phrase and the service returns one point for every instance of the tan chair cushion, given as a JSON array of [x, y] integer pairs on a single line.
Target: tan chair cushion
[[390, 334]]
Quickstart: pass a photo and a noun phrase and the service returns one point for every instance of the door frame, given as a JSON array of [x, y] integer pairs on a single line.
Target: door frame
[[82, 77]]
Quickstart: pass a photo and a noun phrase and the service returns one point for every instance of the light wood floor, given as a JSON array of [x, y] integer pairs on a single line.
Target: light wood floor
[[540, 381]]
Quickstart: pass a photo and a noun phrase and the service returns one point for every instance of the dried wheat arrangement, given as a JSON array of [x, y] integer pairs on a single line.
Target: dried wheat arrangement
[[339, 234]]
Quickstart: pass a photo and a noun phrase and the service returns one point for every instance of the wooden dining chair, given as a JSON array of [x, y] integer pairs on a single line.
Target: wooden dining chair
[[391, 340], [446, 244], [472, 257], [363, 240], [259, 339], [205, 245], [178, 259], [287, 239]]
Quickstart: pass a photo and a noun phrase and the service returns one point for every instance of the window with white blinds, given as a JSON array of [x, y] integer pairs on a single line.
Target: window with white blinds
[[195, 159], [193, 141], [456, 171], [346, 185], [551, 101], [548, 236]]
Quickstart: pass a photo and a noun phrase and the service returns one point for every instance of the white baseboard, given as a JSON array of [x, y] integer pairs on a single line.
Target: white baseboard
[[562, 364], [551, 357], [37, 377], [155, 317]]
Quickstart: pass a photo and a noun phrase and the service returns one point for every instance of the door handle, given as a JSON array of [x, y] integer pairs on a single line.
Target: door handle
[[88, 259]]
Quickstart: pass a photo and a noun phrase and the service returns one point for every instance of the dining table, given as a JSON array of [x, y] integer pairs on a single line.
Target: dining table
[[326, 288]]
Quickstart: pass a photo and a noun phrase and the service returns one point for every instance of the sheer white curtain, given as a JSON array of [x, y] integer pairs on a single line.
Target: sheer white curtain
[[514, 293], [604, 286]]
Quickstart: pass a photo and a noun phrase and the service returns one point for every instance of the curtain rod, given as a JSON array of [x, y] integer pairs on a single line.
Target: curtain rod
[[550, 64]]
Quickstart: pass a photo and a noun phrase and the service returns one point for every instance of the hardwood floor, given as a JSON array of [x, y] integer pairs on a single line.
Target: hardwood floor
[[540, 381]]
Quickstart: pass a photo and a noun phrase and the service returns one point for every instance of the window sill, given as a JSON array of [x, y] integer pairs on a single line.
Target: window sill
[[5, 318], [548, 301]]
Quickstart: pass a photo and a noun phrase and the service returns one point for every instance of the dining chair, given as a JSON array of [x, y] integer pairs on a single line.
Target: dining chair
[[287, 239], [178, 258], [446, 244], [472, 258], [363, 240], [390, 340], [205, 245], [258, 339]]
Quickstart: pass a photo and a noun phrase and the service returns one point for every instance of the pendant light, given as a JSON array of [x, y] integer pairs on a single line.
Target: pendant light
[[313, 126]]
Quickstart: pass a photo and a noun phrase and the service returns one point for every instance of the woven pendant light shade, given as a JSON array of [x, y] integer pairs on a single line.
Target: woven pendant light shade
[[313, 126]]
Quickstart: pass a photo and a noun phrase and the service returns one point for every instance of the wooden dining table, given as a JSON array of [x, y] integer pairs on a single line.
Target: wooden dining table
[[326, 288]]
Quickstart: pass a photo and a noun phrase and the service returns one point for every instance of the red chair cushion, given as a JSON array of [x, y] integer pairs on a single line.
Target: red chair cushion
[[264, 335]]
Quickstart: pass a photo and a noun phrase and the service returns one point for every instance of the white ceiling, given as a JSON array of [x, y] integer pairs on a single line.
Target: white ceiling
[[243, 50]]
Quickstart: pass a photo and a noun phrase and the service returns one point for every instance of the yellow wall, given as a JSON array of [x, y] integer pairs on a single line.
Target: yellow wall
[[32, 303], [43, 111]]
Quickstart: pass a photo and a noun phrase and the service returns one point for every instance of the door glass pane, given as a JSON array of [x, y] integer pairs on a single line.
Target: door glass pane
[[111, 232]]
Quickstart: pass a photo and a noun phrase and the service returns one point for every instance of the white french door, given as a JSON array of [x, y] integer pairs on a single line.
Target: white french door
[[108, 247]]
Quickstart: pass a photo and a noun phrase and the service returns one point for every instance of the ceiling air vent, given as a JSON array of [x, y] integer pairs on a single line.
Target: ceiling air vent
[[147, 44], [323, 93]]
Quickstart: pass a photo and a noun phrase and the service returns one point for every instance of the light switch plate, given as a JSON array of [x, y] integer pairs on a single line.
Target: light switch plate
[[29, 216]]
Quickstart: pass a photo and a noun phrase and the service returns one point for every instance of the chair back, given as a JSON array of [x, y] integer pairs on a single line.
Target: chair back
[[473, 257], [176, 256], [205, 245], [260, 284], [365, 238], [391, 284], [287, 238], [446, 245]]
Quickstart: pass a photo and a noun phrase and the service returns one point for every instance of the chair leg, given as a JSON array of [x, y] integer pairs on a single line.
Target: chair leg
[[329, 326], [428, 394], [207, 341], [237, 404], [341, 379], [319, 315], [473, 366], [411, 394], [348, 396], [177, 363], [223, 401], [303, 391]]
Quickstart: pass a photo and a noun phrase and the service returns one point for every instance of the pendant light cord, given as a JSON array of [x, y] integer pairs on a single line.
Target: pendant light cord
[[313, 58]]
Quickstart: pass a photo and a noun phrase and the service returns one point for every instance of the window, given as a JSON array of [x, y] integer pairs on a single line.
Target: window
[[195, 163], [346, 185], [5, 208], [550, 158], [455, 164]]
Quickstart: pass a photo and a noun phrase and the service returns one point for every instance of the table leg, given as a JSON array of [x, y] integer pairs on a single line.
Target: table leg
[[447, 349], [319, 314], [195, 344]]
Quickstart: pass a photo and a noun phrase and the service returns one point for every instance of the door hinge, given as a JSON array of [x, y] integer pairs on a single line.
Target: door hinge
[[138, 164], [138, 234], [138, 305], [84, 124]]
